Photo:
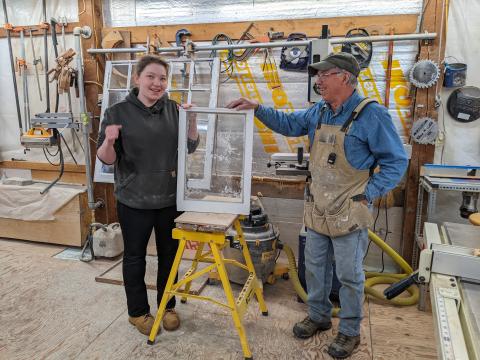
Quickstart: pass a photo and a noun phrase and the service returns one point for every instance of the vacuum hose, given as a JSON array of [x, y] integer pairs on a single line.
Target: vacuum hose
[[293, 276], [373, 278]]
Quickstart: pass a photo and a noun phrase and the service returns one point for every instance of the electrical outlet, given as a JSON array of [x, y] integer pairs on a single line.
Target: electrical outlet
[[440, 138]]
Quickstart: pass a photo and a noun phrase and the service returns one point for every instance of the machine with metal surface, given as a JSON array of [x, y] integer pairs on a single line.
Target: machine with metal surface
[[450, 178], [450, 268]]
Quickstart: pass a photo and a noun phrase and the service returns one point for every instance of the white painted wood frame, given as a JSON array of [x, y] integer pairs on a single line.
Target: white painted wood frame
[[100, 175], [242, 207]]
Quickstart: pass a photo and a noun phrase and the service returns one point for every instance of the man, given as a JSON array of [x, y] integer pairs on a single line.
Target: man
[[343, 153]]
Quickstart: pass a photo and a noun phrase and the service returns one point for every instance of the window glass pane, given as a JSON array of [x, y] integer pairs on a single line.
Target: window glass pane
[[214, 172], [119, 77]]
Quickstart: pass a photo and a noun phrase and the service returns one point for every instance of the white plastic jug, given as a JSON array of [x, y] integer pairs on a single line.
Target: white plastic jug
[[108, 241]]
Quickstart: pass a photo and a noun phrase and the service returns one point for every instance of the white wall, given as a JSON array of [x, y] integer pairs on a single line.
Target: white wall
[[462, 140], [29, 12], [162, 12], [461, 144]]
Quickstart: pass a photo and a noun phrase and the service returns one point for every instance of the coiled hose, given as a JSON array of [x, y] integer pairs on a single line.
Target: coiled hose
[[372, 278]]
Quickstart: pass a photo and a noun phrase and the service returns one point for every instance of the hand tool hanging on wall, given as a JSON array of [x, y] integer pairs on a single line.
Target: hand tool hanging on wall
[[388, 76], [63, 24], [64, 74], [64, 45], [53, 24], [247, 52], [44, 26], [35, 62], [8, 27], [22, 70], [182, 38]]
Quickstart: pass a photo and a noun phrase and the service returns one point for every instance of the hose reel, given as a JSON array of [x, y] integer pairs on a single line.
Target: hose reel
[[362, 51]]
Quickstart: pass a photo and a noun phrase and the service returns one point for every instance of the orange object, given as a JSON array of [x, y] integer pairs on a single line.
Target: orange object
[[8, 26], [474, 219], [22, 62]]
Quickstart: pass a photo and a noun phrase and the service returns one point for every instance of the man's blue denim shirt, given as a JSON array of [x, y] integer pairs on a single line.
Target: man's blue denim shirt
[[372, 139]]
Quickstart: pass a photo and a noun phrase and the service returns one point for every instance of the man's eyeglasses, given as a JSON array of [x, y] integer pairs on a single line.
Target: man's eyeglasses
[[324, 75]]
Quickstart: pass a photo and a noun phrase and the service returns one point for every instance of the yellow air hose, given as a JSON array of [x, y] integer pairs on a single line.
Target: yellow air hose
[[373, 278]]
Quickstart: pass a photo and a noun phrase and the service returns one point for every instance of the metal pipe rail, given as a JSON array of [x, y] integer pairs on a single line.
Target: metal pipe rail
[[79, 32], [12, 67], [425, 36]]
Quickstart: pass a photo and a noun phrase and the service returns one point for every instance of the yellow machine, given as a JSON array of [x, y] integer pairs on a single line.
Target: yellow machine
[[38, 137]]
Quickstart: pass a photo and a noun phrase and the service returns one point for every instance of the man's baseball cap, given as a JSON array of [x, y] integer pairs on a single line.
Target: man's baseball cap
[[340, 60]]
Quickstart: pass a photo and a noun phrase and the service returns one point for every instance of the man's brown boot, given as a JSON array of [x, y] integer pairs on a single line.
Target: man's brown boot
[[171, 321], [143, 323], [343, 346]]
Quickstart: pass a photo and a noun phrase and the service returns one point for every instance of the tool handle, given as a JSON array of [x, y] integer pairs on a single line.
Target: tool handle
[[54, 24], [300, 155], [399, 287]]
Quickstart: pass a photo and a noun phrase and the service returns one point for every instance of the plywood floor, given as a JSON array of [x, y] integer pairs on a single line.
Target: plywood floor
[[54, 309]]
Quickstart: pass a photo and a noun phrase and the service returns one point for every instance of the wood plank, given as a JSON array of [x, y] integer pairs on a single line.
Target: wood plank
[[68, 30], [114, 275], [42, 166], [67, 177], [376, 25], [395, 332], [93, 73], [73, 174], [208, 219], [87, 217], [424, 105], [278, 188]]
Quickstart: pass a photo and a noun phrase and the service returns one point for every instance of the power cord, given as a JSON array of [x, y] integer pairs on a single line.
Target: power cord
[[386, 235], [374, 229]]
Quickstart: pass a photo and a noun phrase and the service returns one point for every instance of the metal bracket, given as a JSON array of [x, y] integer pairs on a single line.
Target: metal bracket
[[319, 48], [425, 266], [54, 121], [288, 164], [84, 31]]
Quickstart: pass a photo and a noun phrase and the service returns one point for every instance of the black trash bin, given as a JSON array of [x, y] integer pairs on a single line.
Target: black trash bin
[[302, 238]]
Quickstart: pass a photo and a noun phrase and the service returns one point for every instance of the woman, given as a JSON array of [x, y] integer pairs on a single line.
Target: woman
[[139, 135]]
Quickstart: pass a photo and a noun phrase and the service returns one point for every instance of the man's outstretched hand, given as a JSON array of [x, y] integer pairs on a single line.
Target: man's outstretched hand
[[243, 104]]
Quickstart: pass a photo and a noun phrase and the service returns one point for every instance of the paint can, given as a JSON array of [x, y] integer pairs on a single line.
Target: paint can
[[455, 75]]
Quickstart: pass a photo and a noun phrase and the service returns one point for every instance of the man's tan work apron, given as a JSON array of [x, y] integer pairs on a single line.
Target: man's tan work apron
[[333, 209]]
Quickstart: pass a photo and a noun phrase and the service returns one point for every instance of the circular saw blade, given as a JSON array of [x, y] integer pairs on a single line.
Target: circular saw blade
[[424, 74], [424, 131]]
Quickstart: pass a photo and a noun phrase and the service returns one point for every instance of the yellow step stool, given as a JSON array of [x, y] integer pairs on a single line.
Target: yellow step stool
[[211, 228]]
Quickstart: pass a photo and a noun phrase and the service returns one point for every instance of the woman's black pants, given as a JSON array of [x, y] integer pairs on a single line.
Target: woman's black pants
[[137, 225]]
